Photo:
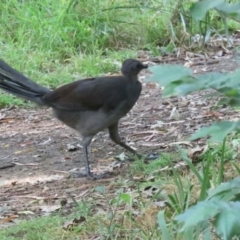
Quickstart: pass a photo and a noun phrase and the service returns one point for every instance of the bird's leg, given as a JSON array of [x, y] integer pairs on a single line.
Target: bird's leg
[[114, 135], [86, 142]]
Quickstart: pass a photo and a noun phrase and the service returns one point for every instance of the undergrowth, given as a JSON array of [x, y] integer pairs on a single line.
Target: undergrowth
[[60, 41]]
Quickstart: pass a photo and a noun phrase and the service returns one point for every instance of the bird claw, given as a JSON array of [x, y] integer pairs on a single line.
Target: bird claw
[[99, 176], [91, 175], [152, 156]]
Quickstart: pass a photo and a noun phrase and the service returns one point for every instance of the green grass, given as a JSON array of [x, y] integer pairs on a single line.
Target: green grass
[[10, 100], [34, 229], [60, 41], [139, 166]]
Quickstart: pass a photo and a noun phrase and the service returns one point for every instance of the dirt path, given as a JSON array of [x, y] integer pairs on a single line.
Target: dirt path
[[39, 146]]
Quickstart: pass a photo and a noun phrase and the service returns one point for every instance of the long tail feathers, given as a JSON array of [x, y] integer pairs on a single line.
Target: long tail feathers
[[17, 84]]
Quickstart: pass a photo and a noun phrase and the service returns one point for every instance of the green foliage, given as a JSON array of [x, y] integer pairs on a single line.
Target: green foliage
[[78, 26], [181, 81], [163, 226], [140, 167], [57, 42], [200, 9], [41, 228], [126, 198], [180, 200], [204, 18], [53, 43], [222, 206], [82, 208], [228, 191], [218, 131], [170, 77], [6, 99], [216, 207]]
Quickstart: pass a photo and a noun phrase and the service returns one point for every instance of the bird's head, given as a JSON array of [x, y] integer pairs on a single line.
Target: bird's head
[[132, 67]]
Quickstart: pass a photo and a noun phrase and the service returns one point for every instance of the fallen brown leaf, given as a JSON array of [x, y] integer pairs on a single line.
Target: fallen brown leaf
[[8, 219]]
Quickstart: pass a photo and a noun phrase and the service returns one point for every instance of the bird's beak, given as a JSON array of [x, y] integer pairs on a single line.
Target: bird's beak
[[145, 66]]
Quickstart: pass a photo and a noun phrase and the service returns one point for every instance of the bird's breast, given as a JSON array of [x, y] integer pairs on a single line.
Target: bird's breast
[[134, 91]]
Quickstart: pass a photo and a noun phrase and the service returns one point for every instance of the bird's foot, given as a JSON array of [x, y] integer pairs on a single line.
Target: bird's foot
[[100, 176], [151, 156], [92, 176]]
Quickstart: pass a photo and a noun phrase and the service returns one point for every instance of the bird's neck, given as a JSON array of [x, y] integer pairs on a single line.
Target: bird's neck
[[131, 78]]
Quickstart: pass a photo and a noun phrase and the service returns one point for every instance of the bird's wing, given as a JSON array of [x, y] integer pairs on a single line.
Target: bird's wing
[[89, 94]]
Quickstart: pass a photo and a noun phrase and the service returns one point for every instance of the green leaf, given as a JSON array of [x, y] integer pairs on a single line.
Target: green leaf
[[209, 77], [100, 189], [226, 191], [163, 226], [168, 73], [179, 80], [126, 198], [230, 10], [218, 131], [237, 168], [199, 9], [225, 217], [190, 164], [201, 212], [227, 222]]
